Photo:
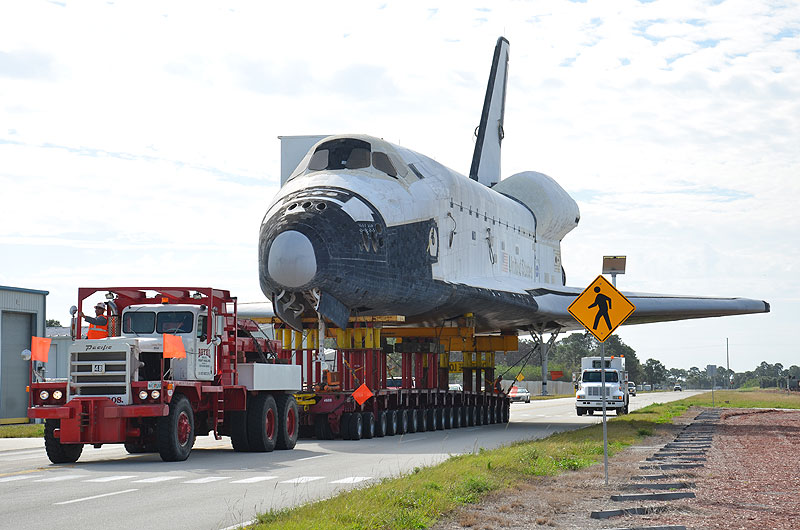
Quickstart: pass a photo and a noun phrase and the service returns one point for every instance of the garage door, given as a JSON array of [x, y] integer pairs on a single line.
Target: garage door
[[16, 336]]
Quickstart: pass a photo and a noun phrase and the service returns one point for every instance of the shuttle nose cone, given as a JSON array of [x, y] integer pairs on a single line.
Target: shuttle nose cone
[[292, 262]]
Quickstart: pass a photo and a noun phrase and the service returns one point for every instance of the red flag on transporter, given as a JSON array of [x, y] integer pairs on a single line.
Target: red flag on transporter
[[173, 347], [39, 349]]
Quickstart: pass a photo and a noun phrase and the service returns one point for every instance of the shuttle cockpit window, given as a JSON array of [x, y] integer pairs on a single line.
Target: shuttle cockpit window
[[349, 153]]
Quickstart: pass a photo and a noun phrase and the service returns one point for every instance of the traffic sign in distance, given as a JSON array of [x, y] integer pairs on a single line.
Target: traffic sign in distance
[[601, 308], [520, 377]]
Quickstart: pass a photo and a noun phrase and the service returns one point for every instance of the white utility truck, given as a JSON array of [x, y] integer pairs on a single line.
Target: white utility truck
[[588, 398]]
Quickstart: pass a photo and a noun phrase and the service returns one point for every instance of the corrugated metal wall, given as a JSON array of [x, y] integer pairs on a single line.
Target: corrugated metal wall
[[22, 315]]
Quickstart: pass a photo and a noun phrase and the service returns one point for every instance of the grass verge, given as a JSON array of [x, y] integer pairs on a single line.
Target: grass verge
[[26, 430]]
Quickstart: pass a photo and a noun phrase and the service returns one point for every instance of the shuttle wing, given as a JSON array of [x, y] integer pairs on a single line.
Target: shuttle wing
[[552, 305]]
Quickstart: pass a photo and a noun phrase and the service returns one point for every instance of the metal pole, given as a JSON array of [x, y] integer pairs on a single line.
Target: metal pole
[[728, 363], [603, 394], [544, 366]]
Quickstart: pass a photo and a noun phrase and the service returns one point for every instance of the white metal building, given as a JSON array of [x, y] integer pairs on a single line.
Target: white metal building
[[22, 316]]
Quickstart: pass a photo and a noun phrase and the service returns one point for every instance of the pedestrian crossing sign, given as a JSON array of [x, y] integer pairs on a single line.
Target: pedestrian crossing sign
[[601, 309]]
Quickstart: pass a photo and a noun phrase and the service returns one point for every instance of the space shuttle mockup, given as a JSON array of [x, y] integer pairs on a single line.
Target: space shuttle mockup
[[363, 226]]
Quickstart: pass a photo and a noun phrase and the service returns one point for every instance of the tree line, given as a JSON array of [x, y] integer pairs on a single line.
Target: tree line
[[565, 356]]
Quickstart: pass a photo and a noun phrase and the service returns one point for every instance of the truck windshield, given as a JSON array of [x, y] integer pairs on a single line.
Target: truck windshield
[[594, 377], [175, 322], [139, 322]]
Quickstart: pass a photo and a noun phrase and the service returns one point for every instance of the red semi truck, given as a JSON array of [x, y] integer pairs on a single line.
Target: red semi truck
[[123, 389]]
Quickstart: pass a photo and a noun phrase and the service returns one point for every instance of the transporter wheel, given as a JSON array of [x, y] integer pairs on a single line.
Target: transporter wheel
[[448, 418], [381, 424], [356, 426], [439, 415], [490, 415], [368, 423], [175, 431], [456, 417], [322, 429], [288, 421], [478, 414], [57, 452], [412, 424], [430, 414], [262, 423], [391, 422], [422, 420], [506, 411], [402, 422], [238, 419], [344, 425], [470, 416]]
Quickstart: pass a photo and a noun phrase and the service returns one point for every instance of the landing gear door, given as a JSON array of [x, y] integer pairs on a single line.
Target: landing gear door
[[204, 367]]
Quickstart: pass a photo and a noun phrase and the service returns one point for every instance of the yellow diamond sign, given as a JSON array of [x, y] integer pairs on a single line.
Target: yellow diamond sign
[[601, 308], [520, 377]]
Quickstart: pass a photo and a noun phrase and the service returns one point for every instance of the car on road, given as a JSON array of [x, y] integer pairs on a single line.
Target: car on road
[[456, 387], [631, 388], [519, 394], [677, 388]]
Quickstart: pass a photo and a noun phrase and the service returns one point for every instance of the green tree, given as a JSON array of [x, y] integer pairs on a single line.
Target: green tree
[[654, 372], [52, 323]]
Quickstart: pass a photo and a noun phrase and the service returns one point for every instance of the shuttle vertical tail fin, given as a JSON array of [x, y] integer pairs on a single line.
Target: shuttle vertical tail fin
[[486, 159]]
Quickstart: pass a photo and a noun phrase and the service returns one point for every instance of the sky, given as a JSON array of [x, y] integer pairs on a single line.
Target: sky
[[139, 140]]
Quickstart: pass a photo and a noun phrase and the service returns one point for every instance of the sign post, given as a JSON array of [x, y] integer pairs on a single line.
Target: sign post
[[711, 369], [601, 300]]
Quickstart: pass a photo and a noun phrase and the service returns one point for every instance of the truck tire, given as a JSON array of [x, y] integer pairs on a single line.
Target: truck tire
[[580, 411], [381, 424], [57, 452], [175, 431], [403, 422], [506, 411], [368, 423], [413, 421], [448, 418], [288, 421], [356, 427], [238, 419], [391, 422], [262, 423], [344, 425], [457, 417], [322, 429], [430, 415], [477, 412], [439, 417]]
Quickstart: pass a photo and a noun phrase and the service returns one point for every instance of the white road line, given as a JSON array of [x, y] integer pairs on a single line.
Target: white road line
[[253, 480], [18, 477], [243, 524], [350, 480], [312, 457], [204, 480], [111, 478], [60, 478], [157, 479], [20, 457], [94, 497], [37, 452], [301, 480]]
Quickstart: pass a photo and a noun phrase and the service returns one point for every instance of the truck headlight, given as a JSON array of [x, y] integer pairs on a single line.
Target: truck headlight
[[155, 394], [57, 394], [43, 395], [143, 394]]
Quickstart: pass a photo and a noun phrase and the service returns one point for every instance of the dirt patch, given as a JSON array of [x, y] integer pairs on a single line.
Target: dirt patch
[[750, 480]]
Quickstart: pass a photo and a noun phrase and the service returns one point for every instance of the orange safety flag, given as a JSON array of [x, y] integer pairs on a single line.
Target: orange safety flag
[[173, 347], [362, 394], [39, 349]]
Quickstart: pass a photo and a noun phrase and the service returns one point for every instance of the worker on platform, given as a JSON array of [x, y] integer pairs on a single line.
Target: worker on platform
[[98, 325]]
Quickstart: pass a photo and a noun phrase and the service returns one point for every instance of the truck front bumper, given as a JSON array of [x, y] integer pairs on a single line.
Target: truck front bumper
[[598, 404], [96, 420]]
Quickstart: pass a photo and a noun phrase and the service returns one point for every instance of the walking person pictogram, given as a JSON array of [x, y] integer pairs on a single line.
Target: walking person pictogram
[[603, 304]]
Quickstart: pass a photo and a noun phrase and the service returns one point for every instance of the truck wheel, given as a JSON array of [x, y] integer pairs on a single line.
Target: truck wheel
[[322, 429], [175, 431], [439, 417], [288, 421], [402, 422], [57, 452], [391, 422], [262, 423], [380, 424], [506, 411], [344, 426], [356, 427], [368, 422], [239, 441], [448, 418], [414, 423], [478, 413], [430, 415]]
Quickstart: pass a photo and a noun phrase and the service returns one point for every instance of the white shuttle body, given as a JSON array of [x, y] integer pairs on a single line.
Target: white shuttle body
[[363, 226]]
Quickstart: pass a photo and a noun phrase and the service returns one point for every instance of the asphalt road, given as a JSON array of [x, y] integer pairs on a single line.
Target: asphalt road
[[217, 488]]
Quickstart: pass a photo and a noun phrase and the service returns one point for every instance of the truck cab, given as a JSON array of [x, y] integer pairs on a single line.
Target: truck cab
[[589, 396]]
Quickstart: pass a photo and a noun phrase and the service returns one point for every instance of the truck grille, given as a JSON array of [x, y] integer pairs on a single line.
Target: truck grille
[[595, 391], [100, 373]]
